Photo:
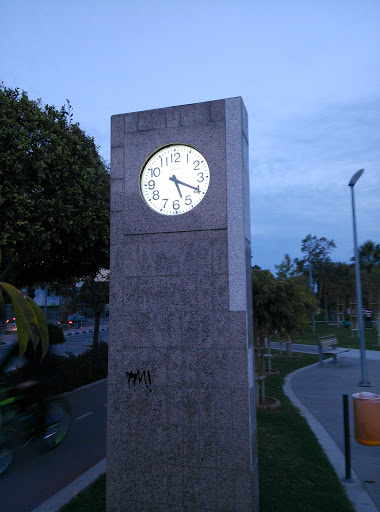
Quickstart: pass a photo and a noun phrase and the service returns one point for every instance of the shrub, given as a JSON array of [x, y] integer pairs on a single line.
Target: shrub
[[87, 367], [65, 373], [56, 335]]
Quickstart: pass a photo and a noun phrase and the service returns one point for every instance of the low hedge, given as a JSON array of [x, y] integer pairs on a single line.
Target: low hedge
[[82, 369], [65, 373]]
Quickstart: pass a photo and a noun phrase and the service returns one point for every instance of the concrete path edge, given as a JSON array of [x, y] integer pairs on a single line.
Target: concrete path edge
[[356, 492]]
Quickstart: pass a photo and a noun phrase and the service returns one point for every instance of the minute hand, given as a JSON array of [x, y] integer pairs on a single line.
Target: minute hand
[[190, 186]]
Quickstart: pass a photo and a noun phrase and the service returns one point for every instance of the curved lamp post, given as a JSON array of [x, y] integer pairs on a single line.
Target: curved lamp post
[[363, 362]]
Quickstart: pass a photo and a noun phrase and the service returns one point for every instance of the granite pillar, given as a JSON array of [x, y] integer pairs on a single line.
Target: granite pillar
[[181, 398]]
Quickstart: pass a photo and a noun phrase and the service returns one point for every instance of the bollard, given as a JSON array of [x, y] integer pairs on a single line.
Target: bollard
[[347, 444]]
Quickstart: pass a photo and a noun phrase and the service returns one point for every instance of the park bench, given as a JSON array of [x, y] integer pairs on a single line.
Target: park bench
[[329, 345]]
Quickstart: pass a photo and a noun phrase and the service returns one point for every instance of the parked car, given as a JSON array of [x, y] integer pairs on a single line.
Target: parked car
[[76, 319], [10, 326]]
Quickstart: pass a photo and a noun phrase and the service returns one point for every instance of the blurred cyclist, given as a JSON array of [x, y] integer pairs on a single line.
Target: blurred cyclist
[[32, 380]]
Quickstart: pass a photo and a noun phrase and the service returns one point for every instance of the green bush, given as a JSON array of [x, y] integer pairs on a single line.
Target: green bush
[[87, 367], [56, 335]]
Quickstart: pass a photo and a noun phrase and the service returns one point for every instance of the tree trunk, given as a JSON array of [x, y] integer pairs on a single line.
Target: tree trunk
[[95, 338]]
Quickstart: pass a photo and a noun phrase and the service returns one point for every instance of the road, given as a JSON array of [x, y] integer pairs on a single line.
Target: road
[[35, 476], [76, 342]]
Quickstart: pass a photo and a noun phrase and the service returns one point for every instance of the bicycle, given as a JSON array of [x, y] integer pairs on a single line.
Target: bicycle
[[22, 422]]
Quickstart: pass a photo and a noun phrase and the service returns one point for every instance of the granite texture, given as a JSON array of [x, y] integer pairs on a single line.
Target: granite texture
[[181, 411]]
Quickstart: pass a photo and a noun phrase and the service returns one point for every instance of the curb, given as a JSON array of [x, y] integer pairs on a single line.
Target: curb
[[56, 502], [94, 383], [83, 332], [68, 393], [356, 492]]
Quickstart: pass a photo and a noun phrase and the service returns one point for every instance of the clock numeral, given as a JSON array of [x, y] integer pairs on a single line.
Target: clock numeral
[[176, 157], [166, 200], [176, 204], [200, 177], [156, 195], [188, 200], [155, 172], [151, 184], [196, 163], [162, 162]]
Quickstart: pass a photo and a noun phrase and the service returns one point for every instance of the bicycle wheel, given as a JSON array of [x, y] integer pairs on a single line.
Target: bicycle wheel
[[58, 420], [6, 456], [8, 439]]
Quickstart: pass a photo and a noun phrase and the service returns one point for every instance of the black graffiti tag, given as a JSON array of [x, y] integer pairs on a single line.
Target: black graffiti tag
[[138, 377]]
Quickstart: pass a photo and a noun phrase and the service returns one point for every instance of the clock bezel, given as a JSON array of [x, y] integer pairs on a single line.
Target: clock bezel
[[145, 165]]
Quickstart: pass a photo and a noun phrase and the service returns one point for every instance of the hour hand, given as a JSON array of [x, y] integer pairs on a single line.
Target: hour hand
[[174, 179]]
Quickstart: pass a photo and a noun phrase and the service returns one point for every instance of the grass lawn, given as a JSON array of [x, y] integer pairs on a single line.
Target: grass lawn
[[295, 475], [343, 335], [91, 499]]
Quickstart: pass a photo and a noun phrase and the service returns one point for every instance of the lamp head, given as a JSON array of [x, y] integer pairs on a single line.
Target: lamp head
[[355, 177]]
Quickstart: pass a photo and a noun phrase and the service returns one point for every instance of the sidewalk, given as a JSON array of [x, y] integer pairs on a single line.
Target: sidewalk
[[317, 391]]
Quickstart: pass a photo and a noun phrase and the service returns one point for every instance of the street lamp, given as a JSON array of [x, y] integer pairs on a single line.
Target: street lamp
[[312, 291], [363, 362]]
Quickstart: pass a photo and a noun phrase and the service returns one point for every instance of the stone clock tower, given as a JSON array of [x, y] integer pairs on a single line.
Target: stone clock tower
[[181, 386]]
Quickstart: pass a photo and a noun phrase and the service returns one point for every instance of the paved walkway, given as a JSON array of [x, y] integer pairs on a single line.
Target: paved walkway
[[317, 391]]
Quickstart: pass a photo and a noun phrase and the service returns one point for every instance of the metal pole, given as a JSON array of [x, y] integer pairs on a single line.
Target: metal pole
[[311, 289], [363, 362], [347, 445]]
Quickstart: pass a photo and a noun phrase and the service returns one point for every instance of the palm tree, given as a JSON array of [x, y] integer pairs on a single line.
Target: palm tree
[[369, 255]]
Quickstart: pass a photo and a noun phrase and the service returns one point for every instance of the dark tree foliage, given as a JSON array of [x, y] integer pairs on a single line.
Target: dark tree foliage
[[317, 251], [334, 282], [54, 194], [369, 255], [282, 305], [339, 283]]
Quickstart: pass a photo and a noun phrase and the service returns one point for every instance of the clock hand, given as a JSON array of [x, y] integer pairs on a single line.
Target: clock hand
[[186, 185], [174, 179]]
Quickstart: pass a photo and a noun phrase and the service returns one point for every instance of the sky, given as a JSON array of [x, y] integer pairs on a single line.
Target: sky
[[308, 73]]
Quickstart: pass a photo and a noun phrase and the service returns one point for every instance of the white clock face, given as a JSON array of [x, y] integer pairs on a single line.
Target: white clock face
[[174, 179]]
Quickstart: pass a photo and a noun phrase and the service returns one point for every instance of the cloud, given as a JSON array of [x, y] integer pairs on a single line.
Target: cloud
[[300, 171]]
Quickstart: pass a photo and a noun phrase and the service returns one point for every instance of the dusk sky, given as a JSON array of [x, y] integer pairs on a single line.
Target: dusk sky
[[308, 73]]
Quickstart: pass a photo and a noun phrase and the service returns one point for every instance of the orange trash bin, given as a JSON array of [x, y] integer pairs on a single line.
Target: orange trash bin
[[367, 418]]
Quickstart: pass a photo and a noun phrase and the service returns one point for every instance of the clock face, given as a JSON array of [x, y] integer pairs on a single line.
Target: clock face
[[174, 179]]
